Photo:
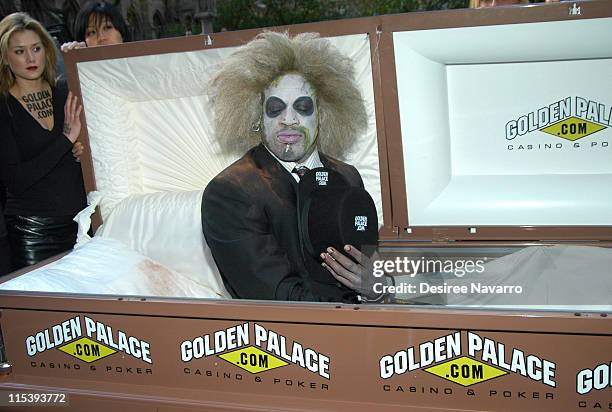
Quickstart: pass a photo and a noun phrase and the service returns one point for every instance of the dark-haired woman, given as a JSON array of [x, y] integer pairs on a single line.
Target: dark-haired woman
[[39, 125], [98, 24]]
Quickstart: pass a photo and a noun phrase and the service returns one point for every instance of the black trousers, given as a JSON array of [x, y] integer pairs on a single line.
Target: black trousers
[[36, 238]]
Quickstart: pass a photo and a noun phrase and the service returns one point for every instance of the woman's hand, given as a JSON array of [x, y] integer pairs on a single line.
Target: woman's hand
[[72, 119], [66, 47], [77, 150]]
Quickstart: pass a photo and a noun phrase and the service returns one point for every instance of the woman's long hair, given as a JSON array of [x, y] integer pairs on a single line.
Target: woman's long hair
[[18, 22]]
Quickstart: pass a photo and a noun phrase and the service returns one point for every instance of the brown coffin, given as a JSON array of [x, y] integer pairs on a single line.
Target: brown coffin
[[141, 353]]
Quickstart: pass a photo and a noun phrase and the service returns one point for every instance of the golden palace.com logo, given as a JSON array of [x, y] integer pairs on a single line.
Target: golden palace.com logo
[[254, 350], [570, 119], [87, 340], [481, 360]]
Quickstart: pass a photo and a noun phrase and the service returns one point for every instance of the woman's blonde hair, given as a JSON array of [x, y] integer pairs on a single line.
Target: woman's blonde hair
[[18, 22], [237, 89]]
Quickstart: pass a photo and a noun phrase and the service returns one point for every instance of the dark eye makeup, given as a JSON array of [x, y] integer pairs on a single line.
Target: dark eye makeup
[[274, 106], [303, 105]]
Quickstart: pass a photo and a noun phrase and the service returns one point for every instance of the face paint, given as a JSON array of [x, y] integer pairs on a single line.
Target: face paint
[[290, 120]]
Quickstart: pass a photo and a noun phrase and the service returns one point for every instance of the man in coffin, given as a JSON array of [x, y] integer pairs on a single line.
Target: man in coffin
[[290, 100]]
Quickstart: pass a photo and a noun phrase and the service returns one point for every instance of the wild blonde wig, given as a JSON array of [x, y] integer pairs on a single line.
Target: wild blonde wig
[[237, 89], [18, 22]]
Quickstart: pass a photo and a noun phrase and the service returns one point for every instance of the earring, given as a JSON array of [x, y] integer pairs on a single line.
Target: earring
[[256, 127]]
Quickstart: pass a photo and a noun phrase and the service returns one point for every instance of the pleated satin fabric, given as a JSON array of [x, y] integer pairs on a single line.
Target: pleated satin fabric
[[150, 123]]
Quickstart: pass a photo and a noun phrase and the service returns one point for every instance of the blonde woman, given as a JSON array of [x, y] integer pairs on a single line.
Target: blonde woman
[[39, 126]]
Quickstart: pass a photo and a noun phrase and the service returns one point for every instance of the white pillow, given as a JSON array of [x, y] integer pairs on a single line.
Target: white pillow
[[167, 227], [107, 266]]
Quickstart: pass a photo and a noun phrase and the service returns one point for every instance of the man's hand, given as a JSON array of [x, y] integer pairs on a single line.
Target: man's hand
[[354, 272]]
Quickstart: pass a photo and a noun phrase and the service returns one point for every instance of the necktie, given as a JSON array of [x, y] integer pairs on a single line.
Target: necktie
[[300, 171]]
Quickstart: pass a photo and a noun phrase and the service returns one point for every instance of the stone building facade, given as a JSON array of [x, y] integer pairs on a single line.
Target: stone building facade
[[146, 19]]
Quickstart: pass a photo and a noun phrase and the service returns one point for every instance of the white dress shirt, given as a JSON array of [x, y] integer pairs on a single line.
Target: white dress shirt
[[313, 161]]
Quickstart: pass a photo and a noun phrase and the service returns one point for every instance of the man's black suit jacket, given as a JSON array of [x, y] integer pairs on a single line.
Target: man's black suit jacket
[[249, 221]]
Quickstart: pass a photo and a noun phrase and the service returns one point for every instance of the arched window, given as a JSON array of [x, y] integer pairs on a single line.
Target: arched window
[[135, 23], [158, 24]]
